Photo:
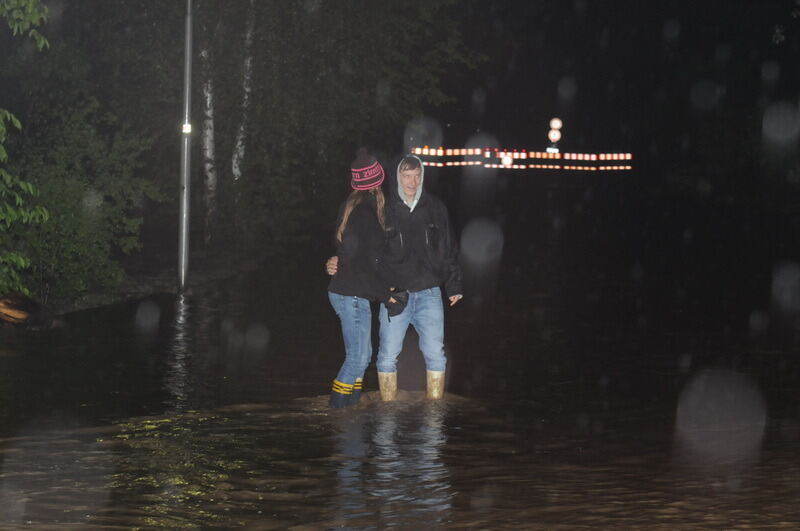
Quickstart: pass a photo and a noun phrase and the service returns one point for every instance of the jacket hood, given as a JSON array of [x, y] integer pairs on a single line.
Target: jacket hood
[[400, 193]]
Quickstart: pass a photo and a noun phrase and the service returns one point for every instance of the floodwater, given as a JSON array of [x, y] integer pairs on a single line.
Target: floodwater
[[609, 367]]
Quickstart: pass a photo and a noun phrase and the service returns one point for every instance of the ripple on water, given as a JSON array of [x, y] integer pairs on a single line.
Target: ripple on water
[[411, 463]]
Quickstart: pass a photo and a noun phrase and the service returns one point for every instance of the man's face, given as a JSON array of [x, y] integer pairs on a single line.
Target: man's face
[[409, 182]]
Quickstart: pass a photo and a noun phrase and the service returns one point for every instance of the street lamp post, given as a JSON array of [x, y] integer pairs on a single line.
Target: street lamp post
[[186, 133]]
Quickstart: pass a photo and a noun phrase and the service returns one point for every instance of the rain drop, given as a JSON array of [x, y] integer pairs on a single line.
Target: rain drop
[[671, 30], [567, 88], [781, 123]]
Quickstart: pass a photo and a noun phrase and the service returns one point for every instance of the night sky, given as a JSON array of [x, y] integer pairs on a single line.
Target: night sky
[[654, 78]]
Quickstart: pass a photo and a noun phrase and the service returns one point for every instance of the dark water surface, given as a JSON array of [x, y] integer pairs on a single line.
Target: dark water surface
[[610, 368]]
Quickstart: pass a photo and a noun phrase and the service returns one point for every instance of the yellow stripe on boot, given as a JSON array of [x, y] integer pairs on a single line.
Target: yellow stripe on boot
[[341, 394], [343, 388]]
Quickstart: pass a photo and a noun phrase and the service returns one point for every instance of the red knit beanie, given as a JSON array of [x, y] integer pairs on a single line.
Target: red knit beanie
[[367, 173]]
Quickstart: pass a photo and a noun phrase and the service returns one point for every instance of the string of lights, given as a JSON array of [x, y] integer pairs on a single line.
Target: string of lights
[[511, 158]]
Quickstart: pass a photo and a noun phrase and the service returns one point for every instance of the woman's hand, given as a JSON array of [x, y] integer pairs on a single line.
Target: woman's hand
[[332, 265]]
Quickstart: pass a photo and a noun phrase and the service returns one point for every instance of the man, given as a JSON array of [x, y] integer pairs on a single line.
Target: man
[[421, 255]]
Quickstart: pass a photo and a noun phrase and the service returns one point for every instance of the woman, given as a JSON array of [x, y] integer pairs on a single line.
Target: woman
[[359, 240]]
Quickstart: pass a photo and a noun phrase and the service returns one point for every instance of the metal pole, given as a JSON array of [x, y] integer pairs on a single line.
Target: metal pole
[[183, 245]]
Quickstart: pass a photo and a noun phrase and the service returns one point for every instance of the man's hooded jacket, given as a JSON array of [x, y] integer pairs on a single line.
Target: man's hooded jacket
[[421, 251]]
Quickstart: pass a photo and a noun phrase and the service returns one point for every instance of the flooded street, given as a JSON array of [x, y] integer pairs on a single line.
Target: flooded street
[[603, 375]]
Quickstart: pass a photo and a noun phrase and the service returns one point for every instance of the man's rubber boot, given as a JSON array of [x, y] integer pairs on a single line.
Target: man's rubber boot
[[341, 394], [387, 381], [435, 385]]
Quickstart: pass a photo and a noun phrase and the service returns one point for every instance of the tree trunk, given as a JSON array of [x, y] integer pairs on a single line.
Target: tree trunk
[[247, 75], [209, 153]]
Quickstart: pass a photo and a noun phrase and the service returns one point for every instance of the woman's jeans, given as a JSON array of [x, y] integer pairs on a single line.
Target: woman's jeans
[[356, 318], [425, 312]]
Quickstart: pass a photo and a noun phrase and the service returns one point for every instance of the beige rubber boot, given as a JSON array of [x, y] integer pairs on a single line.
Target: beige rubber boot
[[387, 381], [435, 385]]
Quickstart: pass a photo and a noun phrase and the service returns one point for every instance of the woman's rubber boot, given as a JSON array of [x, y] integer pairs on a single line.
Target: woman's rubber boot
[[435, 385], [341, 394], [387, 381], [356, 396]]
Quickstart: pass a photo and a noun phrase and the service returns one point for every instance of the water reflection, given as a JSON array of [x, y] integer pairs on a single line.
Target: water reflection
[[392, 471], [175, 380]]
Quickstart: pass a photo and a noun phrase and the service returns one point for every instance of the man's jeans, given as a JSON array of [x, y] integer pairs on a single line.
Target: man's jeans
[[356, 317], [425, 312]]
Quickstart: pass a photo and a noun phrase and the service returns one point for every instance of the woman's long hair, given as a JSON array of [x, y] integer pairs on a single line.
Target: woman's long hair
[[355, 198]]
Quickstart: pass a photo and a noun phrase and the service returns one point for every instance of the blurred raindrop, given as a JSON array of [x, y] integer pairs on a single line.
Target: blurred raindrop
[[312, 6], [479, 102], [55, 14], [706, 94], [478, 184], [235, 340], [345, 66], [770, 72], [422, 131], [481, 251], [688, 236], [786, 287], [482, 140], [722, 54], [781, 123], [758, 322], [637, 272], [720, 420], [382, 92], [685, 363], [671, 31], [685, 143], [92, 201], [148, 315], [567, 88], [482, 242], [704, 187], [256, 337]]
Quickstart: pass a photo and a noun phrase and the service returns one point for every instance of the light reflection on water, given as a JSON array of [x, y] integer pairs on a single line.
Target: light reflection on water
[[410, 464], [179, 350], [386, 452]]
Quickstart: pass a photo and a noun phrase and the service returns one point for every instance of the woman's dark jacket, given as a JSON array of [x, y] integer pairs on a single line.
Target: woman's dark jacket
[[359, 254]]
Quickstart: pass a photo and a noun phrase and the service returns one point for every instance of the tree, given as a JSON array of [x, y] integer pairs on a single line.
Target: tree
[[23, 17], [87, 164], [317, 80], [300, 85]]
